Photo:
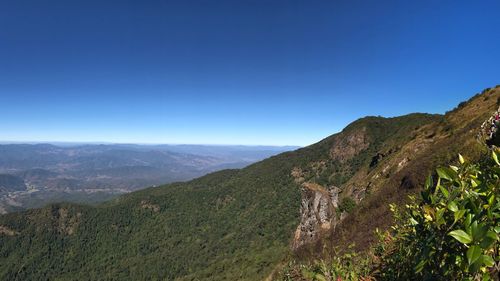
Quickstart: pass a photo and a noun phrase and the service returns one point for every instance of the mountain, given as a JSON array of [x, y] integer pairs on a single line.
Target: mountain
[[244, 224], [79, 172]]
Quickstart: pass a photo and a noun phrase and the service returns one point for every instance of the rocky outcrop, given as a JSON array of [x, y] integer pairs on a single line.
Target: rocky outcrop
[[60, 218], [224, 201], [376, 159], [350, 145], [146, 205], [66, 221], [7, 231], [318, 209], [379, 156], [489, 130]]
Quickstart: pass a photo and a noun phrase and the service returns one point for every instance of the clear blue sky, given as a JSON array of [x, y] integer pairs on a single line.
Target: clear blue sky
[[236, 71]]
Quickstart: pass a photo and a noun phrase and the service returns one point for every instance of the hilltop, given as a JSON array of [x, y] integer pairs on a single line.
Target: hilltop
[[241, 224]]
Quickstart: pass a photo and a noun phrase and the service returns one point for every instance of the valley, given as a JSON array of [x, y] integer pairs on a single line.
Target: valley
[[32, 175]]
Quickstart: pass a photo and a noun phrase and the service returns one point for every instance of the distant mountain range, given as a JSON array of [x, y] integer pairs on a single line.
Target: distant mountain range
[[31, 174]]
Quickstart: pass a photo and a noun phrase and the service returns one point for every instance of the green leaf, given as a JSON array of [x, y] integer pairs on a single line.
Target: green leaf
[[439, 216], [497, 229], [496, 169], [474, 267], [468, 220], [490, 238], [452, 206], [492, 235], [413, 221], [461, 236], [478, 231], [429, 182], [471, 229], [491, 200], [488, 261], [458, 215], [420, 266], [461, 158], [444, 173], [495, 157], [474, 182], [444, 191], [473, 253]]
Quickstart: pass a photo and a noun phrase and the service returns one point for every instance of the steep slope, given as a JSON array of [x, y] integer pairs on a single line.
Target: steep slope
[[396, 173], [404, 172], [239, 224]]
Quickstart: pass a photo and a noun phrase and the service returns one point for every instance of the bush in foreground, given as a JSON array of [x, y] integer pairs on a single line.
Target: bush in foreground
[[452, 232]]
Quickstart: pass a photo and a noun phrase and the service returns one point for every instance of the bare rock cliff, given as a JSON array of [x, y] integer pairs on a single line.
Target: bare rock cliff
[[318, 213]]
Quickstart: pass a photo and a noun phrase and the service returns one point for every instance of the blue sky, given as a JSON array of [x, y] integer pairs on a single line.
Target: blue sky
[[234, 72]]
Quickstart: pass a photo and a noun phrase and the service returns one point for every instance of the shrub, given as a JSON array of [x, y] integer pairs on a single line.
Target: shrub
[[346, 267], [347, 205], [452, 232]]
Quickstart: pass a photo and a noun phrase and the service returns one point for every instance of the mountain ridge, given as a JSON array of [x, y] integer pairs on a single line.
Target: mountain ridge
[[240, 224]]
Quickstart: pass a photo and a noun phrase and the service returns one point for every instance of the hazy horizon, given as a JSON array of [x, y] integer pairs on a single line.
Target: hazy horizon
[[3, 142], [234, 72]]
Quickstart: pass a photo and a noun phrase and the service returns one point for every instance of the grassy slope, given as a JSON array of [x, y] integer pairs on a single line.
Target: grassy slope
[[432, 145], [234, 224]]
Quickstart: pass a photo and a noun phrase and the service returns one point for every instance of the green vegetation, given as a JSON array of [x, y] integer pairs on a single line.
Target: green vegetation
[[229, 225], [225, 226], [347, 205], [348, 267], [450, 233], [381, 134]]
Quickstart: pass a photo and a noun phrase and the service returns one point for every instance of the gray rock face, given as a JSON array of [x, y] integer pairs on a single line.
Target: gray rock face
[[318, 207], [334, 195]]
